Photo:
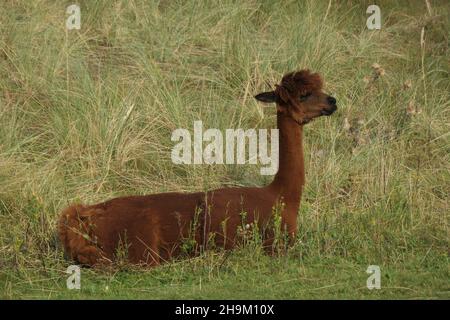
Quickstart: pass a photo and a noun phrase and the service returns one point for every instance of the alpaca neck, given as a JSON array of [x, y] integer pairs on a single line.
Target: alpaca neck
[[290, 177]]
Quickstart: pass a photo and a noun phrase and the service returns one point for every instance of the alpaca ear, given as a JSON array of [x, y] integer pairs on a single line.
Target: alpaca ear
[[267, 97]]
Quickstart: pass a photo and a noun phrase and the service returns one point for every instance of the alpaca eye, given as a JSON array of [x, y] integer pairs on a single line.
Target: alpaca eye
[[304, 97]]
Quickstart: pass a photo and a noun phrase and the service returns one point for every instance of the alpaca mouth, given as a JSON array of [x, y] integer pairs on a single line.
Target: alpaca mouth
[[327, 112]]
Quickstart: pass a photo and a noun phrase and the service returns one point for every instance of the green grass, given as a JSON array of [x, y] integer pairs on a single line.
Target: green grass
[[87, 115]]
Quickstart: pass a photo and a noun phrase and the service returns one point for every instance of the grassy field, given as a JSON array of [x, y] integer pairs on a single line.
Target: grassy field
[[87, 115]]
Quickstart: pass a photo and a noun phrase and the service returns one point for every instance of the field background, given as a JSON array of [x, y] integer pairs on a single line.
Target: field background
[[87, 115]]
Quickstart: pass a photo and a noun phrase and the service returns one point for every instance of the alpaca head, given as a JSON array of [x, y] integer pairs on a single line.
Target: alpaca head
[[300, 97]]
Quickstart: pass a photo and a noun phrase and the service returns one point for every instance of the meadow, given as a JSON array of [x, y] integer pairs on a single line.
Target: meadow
[[87, 115]]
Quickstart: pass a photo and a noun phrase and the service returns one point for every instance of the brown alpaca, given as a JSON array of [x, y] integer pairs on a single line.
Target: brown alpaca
[[151, 229]]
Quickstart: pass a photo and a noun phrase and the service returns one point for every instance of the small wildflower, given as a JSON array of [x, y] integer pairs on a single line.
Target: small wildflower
[[247, 226]]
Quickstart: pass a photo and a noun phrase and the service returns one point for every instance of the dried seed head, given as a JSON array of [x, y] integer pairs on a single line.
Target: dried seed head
[[347, 125], [412, 109], [320, 153], [380, 72], [407, 84], [376, 66]]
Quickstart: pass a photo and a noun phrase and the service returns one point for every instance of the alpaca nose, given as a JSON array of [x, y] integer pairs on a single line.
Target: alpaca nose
[[331, 100], [331, 106]]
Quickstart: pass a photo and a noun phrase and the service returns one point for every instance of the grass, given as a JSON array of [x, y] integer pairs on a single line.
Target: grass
[[87, 115]]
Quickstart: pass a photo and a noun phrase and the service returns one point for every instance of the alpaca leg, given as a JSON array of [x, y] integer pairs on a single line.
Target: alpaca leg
[[90, 256]]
